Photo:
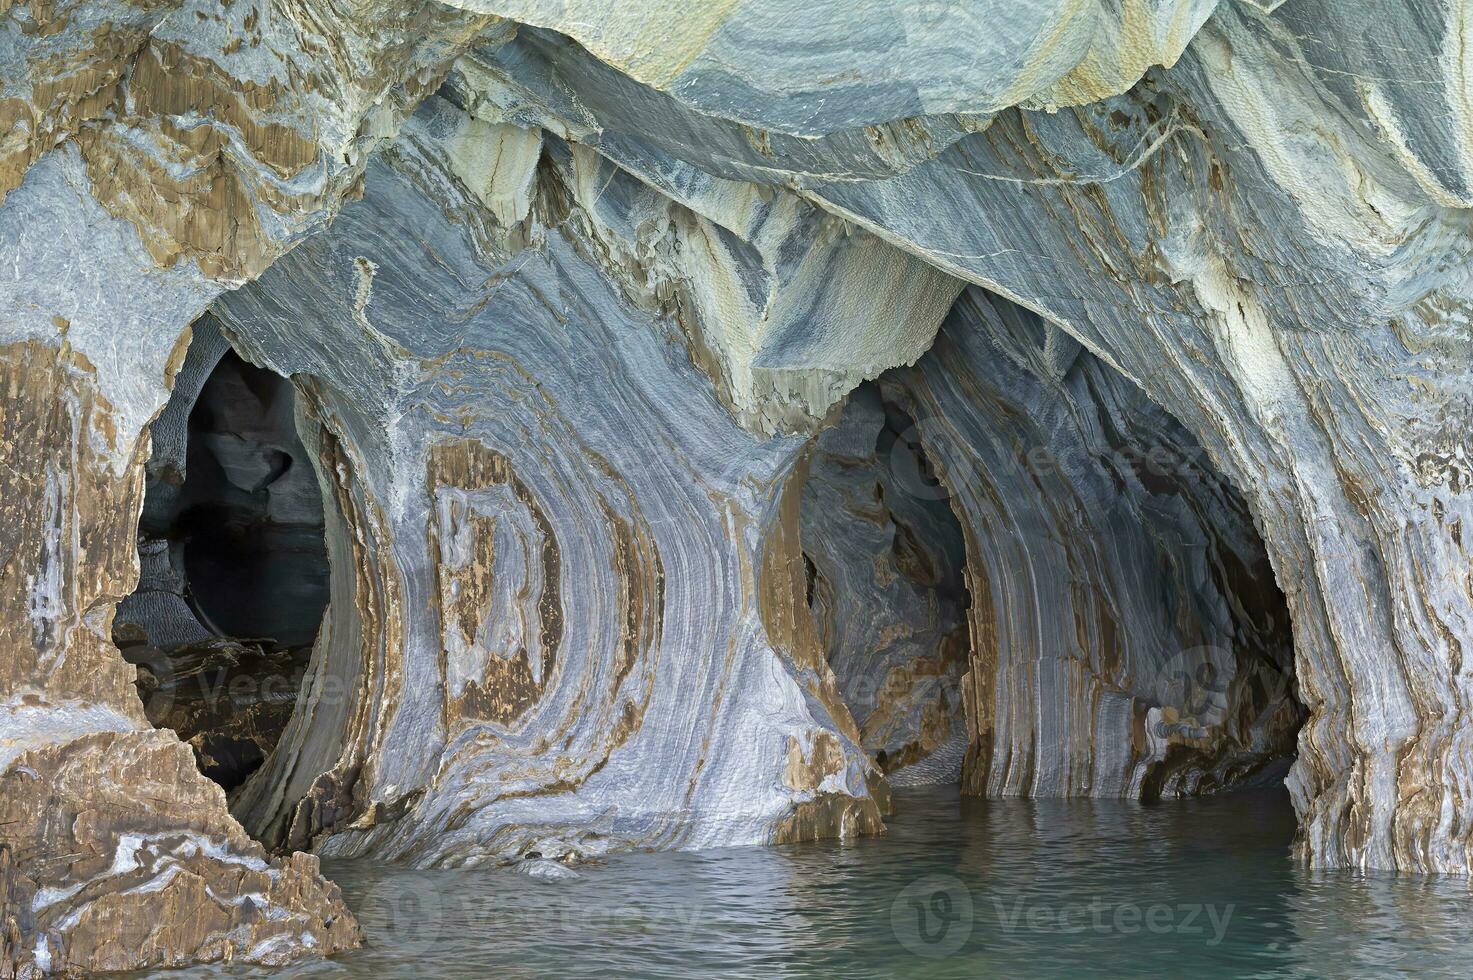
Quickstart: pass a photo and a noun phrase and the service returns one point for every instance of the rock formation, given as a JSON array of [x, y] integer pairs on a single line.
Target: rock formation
[[885, 560], [614, 338]]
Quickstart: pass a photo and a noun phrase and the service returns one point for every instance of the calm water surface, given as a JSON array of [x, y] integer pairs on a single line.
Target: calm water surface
[[959, 888]]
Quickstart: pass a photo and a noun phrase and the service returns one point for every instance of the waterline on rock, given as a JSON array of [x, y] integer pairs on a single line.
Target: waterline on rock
[[959, 887]]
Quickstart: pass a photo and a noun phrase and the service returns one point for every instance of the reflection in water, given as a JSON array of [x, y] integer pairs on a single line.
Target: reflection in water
[[959, 888]]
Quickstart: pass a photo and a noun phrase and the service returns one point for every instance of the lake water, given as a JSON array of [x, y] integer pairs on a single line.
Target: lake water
[[959, 888]]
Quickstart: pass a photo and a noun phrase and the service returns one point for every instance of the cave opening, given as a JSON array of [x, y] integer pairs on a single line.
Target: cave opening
[[234, 573], [1032, 580]]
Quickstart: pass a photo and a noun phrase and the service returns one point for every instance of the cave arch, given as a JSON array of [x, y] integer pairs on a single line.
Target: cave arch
[[1124, 635]]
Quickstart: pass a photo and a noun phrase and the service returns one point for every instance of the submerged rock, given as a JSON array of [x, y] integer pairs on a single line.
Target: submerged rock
[[545, 870]]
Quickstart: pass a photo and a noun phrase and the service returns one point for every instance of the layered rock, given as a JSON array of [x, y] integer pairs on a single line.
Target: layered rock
[[144, 831], [1254, 239], [1128, 638], [558, 373], [885, 565], [530, 430], [153, 153]]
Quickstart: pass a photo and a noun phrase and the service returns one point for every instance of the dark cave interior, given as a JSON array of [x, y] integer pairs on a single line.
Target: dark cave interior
[[234, 570]]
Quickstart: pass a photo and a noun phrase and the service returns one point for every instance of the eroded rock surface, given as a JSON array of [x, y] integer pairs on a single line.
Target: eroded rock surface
[[886, 562], [1128, 637], [562, 344], [618, 653], [1253, 238], [154, 154]]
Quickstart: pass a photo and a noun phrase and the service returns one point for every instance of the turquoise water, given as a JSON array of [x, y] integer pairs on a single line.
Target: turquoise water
[[959, 888]]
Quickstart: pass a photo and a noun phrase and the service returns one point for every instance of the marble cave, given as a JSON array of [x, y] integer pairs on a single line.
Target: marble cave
[[550, 449]]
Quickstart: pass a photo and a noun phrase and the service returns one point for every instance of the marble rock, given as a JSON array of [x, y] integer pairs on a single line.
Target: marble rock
[[518, 429], [1127, 636], [110, 828], [584, 303], [885, 561], [153, 154], [1252, 236]]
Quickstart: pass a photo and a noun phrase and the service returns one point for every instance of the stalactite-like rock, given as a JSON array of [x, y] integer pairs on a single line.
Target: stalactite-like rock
[[786, 308]]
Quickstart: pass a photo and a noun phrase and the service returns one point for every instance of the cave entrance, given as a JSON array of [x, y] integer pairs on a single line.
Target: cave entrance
[[1022, 568], [234, 571]]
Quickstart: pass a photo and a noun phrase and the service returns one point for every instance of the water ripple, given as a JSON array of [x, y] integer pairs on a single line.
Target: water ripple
[[959, 888]]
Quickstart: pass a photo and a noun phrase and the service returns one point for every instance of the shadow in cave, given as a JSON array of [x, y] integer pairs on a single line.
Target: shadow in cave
[[885, 560], [234, 571], [1010, 537]]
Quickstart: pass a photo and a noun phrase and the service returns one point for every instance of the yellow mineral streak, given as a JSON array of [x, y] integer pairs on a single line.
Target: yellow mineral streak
[[67, 523], [507, 687]]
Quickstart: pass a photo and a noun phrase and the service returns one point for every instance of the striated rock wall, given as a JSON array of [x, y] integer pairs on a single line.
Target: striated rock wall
[[1127, 635], [1253, 237], [153, 153], [572, 598], [108, 824], [560, 368], [885, 561], [1118, 633]]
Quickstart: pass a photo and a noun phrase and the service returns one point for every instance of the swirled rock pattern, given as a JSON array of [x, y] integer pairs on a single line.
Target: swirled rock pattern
[[1251, 237], [619, 650], [1159, 662], [560, 371], [153, 154]]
